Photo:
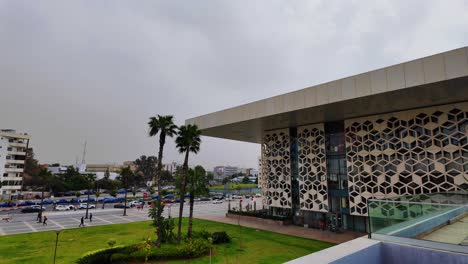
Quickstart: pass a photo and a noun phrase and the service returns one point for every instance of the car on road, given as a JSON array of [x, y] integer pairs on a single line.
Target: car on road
[[136, 203], [38, 207], [121, 206], [218, 198], [83, 206], [62, 207], [217, 201], [32, 209], [168, 201]]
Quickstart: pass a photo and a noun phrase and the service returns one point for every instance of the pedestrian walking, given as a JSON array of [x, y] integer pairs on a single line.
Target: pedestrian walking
[[45, 221], [103, 206], [81, 222], [39, 217], [90, 217]]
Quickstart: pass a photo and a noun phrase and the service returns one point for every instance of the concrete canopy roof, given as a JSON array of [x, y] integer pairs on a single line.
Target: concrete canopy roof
[[434, 80]]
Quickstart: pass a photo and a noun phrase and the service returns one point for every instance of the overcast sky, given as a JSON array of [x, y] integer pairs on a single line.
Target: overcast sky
[[95, 71]]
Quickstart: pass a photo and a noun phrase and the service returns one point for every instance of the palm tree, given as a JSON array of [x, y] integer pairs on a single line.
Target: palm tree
[[45, 176], [126, 176], [164, 126], [97, 194], [188, 140], [90, 178], [197, 185]]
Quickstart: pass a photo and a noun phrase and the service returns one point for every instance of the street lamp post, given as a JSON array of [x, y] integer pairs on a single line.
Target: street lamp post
[[57, 232]]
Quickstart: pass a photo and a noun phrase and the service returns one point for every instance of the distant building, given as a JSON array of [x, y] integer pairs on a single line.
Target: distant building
[[13, 146], [221, 172], [171, 167], [111, 167], [57, 170]]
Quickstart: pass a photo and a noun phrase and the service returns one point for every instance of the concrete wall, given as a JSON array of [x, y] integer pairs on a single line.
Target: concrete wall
[[363, 251]]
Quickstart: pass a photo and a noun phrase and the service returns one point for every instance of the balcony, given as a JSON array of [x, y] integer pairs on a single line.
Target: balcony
[[11, 178], [19, 153], [18, 145], [438, 221], [13, 161], [11, 187], [14, 170]]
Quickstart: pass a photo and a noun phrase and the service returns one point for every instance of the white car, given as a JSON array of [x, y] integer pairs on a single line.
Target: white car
[[217, 201], [83, 206], [135, 203], [62, 207], [38, 207]]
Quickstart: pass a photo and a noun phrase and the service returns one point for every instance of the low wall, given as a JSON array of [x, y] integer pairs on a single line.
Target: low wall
[[422, 225], [258, 219]]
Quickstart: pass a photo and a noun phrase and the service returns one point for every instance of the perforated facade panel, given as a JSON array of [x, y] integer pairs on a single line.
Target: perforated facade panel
[[406, 153], [313, 191], [277, 172]]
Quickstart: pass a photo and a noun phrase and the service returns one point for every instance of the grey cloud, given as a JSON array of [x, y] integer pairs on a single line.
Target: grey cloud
[[95, 71]]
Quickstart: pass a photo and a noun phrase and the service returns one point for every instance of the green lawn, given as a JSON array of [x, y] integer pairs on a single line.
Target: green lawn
[[257, 246], [235, 186]]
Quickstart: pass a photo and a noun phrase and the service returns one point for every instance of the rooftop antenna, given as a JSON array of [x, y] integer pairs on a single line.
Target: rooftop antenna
[[84, 154]]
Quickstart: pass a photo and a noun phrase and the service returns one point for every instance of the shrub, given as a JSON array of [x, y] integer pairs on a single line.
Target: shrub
[[201, 234], [139, 252], [195, 248], [104, 256], [111, 242], [220, 237]]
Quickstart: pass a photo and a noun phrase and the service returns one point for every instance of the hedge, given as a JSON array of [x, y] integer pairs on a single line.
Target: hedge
[[261, 214], [122, 254]]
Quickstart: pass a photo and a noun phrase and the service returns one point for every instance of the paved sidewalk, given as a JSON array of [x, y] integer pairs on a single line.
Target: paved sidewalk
[[290, 230], [26, 223]]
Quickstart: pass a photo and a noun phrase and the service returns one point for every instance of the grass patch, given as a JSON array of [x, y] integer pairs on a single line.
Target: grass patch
[[233, 186], [257, 246]]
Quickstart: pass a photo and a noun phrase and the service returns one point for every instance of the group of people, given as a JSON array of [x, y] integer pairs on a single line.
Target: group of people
[[82, 220], [41, 220], [44, 219]]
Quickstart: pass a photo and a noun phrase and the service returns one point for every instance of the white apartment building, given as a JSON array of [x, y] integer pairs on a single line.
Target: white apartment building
[[13, 146], [171, 167]]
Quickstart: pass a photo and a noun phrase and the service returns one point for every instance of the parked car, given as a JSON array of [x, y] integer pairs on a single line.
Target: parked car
[[83, 206], [168, 201], [121, 206], [121, 191], [48, 201], [217, 201], [61, 207], [31, 210], [38, 206], [136, 203]]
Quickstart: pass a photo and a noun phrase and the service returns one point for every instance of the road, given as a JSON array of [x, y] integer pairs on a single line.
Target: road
[[26, 223]]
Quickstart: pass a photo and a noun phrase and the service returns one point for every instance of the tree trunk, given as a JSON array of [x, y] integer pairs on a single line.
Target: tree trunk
[[125, 199], [42, 199], [87, 205], [182, 193], [162, 139], [192, 201]]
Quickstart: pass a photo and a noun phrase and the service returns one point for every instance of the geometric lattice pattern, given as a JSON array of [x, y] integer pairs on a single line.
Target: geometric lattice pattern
[[313, 192], [406, 153], [277, 170]]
